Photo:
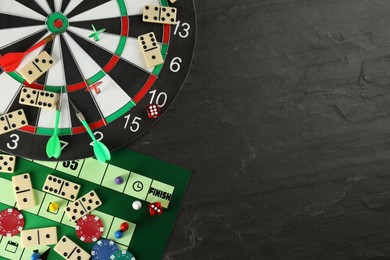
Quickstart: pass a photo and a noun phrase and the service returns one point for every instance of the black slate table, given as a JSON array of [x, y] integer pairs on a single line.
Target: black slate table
[[285, 122]]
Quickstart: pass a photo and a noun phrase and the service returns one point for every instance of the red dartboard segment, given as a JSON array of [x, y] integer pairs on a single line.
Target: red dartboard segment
[[111, 64], [97, 124], [29, 129], [89, 228], [167, 33], [77, 86], [125, 26], [145, 89], [93, 126], [11, 222], [34, 85]]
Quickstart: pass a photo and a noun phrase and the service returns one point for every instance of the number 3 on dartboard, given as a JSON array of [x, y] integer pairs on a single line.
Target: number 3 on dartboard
[[14, 142]]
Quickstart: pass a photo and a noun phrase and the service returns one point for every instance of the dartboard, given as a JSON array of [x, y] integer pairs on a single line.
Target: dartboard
[[105, 77]]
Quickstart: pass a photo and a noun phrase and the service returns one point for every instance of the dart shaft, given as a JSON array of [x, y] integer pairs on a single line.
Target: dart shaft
[[80, 116], [86, 126], [57, 122], [49, 38], [41, 43]]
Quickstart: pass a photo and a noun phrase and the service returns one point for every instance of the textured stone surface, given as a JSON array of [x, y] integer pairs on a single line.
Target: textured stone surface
[[285, 122]]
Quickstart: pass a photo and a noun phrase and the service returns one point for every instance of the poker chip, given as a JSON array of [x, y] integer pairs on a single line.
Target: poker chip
[[89, 228], [11, 222], [103, 249], [122, 255]]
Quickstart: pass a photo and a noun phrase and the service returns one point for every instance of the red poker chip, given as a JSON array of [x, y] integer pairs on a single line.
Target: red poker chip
[[11, 222], [89, 228]]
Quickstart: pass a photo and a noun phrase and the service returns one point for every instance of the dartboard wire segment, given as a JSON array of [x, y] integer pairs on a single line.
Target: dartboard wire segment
[[108, 79]]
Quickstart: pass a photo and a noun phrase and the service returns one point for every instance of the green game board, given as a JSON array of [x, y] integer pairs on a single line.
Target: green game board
[[146, 179]]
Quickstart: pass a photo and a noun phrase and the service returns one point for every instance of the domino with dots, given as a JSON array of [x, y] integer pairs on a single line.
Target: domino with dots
[[150, 49], [83, 206], [23, 191], [36, 68], [7, 163], [159, 14], [70, 250], [61, 187], [38, 98], [39, 237], [12, 121]]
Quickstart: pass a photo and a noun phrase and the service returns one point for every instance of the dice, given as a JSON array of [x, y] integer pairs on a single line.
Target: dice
[[155, 208], [153, 111]]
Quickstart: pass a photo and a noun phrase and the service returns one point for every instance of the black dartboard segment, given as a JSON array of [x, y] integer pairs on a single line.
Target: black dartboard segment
[[117, 115]]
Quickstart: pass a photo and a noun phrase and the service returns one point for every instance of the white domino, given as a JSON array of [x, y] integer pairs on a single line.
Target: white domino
[[159, 14], [39, 237], [38, 98], [37, 67], [7, 163], [83, 206], [23, 191], [70, 250], [13, 120], [150, 49], [61, 187]]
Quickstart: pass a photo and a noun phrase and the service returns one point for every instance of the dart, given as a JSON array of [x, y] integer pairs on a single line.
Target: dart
[[96, 33], [53, 146], [11, 61], [101, 151], [94, 87]]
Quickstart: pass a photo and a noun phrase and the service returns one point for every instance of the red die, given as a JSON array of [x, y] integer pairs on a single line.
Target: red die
[[155, 208], [153, 111]]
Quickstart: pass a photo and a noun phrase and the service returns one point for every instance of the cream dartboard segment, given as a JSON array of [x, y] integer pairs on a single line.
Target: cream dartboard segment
[[88, 53]]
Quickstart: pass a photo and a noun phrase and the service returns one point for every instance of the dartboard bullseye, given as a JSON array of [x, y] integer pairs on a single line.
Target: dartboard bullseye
[[85, 72]]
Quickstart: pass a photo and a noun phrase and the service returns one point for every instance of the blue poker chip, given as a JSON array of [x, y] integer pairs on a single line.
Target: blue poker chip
[[122, 255], [103, 249]]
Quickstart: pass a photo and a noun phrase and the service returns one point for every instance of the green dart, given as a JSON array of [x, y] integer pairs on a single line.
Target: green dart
[[101, 151], [96, 33], [53, 146]]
